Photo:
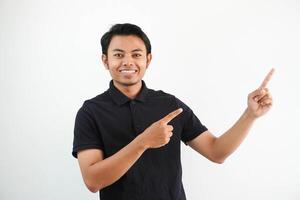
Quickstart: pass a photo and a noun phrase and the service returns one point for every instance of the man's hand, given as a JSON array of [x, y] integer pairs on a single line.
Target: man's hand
[[159, 133], [260, 101]]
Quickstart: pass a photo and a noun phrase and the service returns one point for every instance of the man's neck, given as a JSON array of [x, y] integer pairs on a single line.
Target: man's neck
[[130, 91]]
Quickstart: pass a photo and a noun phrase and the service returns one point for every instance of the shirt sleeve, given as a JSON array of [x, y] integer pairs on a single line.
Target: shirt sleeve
[[86, 133], [191, 125]]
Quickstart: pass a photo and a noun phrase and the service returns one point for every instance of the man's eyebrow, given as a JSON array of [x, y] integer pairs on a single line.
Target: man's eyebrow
[[135, 50], [118, 50]]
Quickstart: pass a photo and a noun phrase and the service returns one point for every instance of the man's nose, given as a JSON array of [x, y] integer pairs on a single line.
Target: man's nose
[[127, 60]]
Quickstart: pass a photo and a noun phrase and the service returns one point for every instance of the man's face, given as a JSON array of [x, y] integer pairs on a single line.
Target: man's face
[[126, 59]]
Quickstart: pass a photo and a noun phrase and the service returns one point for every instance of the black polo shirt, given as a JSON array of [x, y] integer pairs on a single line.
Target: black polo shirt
[[111, 120]]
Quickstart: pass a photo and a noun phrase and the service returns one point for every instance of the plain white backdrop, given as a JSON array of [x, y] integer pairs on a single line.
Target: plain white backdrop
[[210, 54]]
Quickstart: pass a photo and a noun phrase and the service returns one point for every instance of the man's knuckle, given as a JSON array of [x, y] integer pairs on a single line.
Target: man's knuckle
[[161, 122]]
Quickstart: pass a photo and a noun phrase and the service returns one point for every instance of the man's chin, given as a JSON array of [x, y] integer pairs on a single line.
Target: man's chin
[[128, 83]]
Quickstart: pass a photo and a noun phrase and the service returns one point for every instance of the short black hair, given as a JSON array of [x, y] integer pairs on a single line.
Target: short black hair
[[124, 29]]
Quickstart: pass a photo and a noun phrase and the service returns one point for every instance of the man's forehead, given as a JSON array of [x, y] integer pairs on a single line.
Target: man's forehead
[[126, 43]]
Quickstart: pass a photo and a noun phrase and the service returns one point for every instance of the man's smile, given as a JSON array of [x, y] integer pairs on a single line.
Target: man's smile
[[128, 71]]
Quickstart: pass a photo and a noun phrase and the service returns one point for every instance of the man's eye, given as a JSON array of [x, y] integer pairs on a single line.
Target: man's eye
[[118, 55], [137, 55]]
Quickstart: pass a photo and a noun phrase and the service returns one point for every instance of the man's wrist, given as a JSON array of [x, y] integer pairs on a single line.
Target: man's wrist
[[142, 142], [248, 115]]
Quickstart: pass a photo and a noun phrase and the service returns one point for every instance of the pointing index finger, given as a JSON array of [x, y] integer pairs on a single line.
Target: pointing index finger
[[267, 78], [171, 115]]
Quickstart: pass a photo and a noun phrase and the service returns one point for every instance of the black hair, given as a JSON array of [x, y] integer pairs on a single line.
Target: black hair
[[124, 29]]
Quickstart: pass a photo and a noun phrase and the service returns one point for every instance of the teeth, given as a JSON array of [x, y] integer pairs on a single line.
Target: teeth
[[127, 71]]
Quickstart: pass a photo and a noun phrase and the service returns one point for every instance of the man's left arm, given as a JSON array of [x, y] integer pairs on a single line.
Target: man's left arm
[[217, 149]]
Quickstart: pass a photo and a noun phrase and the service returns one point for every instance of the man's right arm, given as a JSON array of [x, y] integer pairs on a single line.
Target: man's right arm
[[98, 172]]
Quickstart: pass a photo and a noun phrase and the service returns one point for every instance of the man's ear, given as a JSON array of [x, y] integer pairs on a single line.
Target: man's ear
[[105, 61], [149, 58]]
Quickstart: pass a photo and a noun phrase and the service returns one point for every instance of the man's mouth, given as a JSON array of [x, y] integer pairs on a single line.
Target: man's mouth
[[128, 71]]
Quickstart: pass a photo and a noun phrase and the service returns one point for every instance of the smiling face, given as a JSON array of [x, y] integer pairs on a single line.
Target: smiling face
[[126, 60]]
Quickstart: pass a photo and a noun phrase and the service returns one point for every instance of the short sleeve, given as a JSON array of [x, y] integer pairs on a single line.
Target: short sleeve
[[86, 133], [191, 125]]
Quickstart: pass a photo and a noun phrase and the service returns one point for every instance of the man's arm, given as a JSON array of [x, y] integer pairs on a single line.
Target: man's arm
[[218, 149], [99, 173]]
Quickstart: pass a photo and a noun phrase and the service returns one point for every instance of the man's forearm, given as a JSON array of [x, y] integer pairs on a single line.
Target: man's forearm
[[109, 170], [227, 143]]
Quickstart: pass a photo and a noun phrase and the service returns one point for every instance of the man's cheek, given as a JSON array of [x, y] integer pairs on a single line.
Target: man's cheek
[[113, 65]]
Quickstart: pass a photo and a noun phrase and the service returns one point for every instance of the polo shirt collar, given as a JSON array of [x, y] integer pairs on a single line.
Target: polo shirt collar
[[119, 98]]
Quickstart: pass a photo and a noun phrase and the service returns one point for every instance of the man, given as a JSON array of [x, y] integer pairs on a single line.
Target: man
[[127, 139]]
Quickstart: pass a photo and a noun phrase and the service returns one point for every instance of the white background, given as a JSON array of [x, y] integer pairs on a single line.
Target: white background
[[210, 54]]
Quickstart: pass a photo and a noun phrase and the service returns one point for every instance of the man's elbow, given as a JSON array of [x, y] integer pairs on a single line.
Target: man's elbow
[[93, 187], [218, 160]]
